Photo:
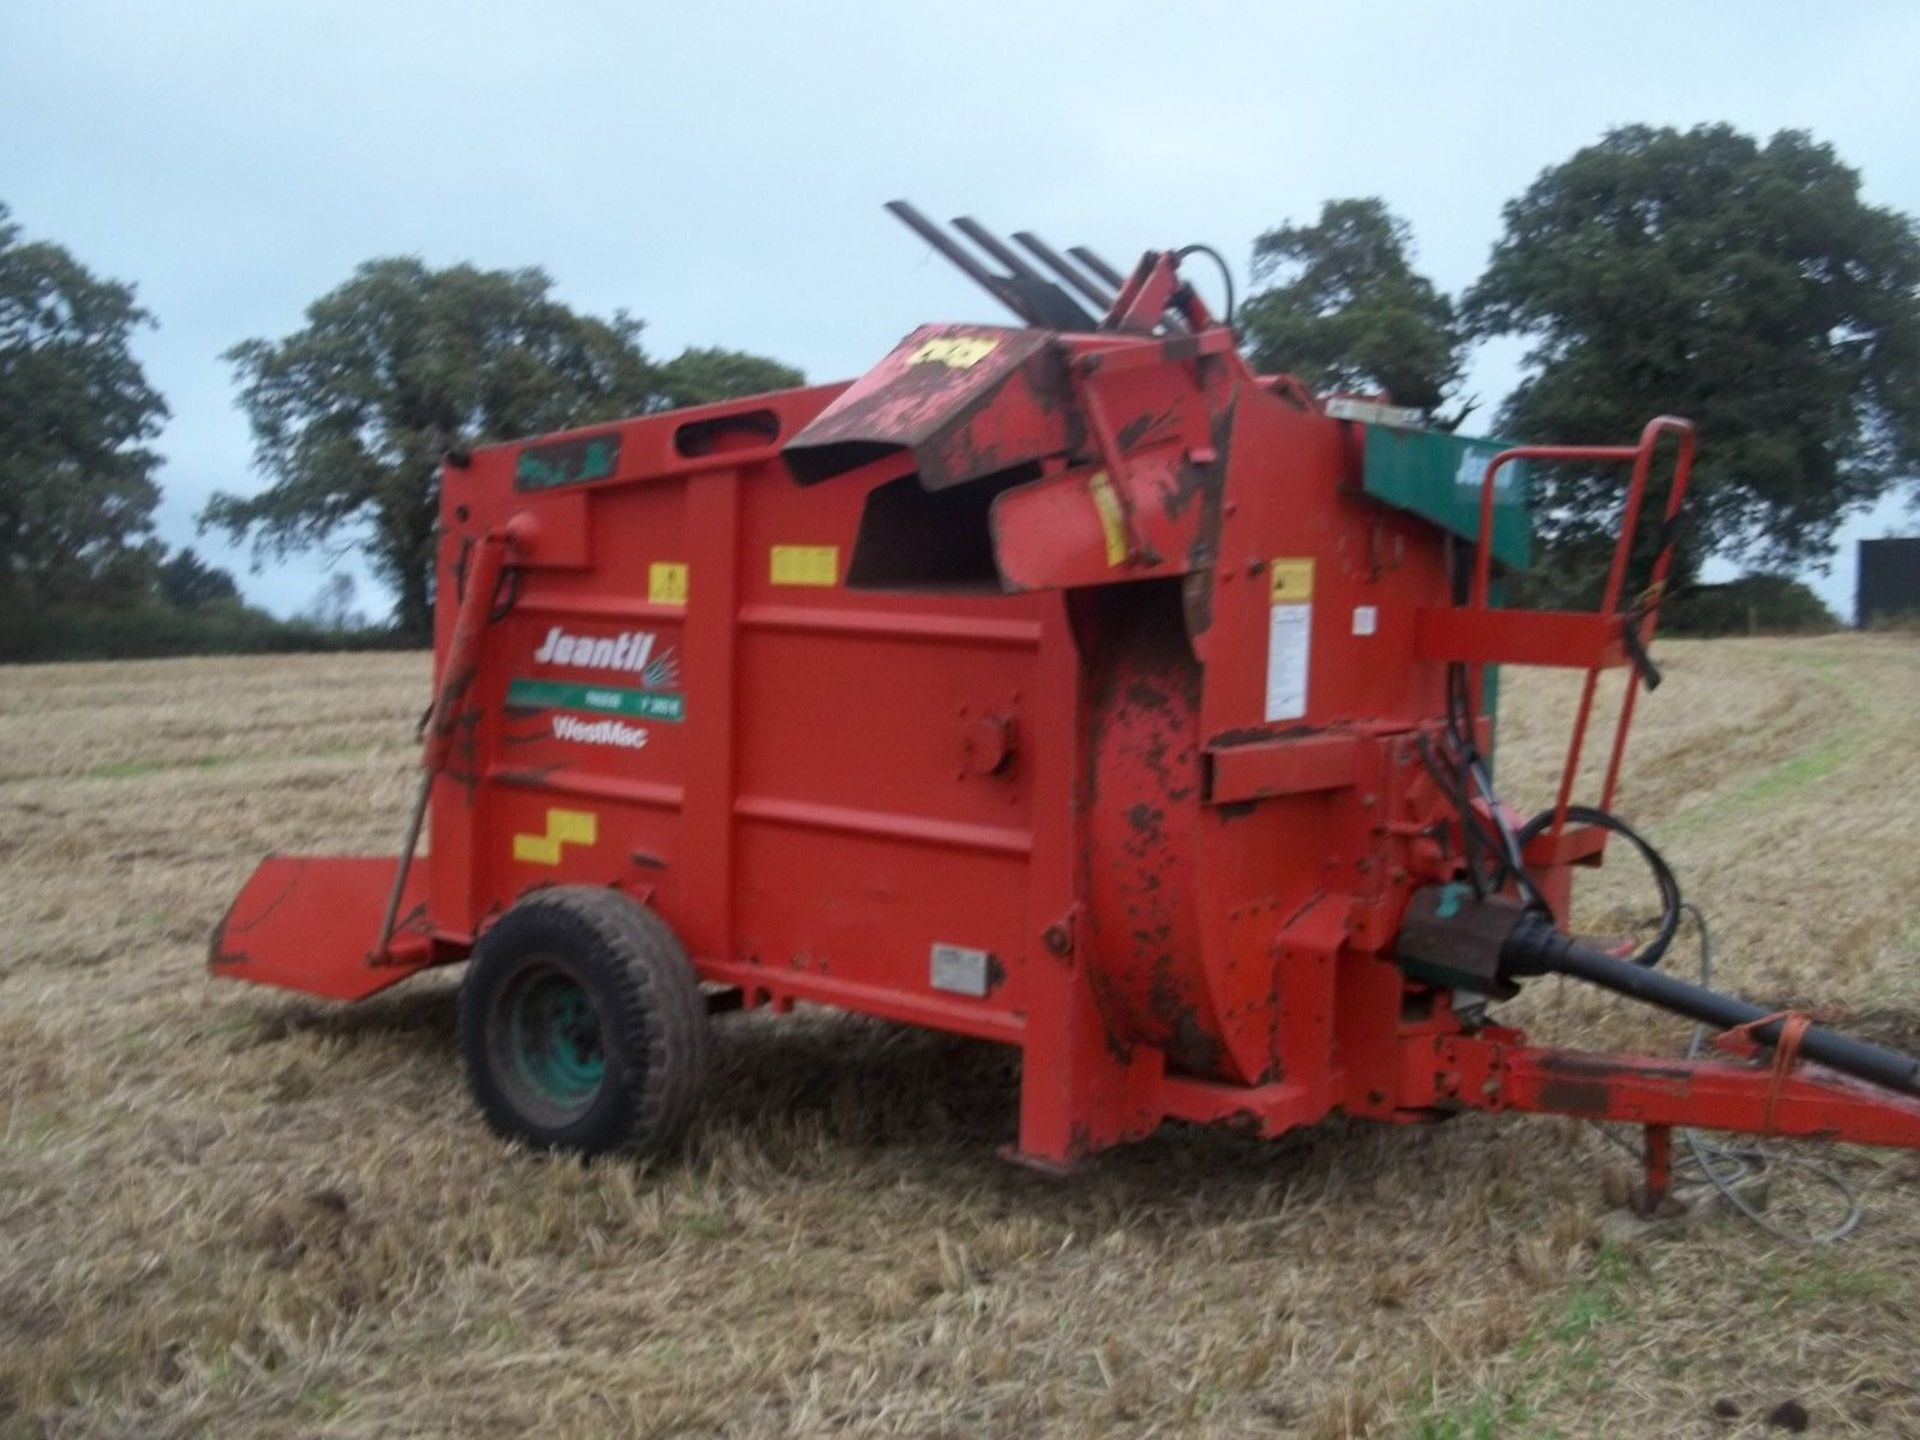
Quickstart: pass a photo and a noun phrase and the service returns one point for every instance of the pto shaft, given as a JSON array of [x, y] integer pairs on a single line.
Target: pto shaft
[[1536, 947]]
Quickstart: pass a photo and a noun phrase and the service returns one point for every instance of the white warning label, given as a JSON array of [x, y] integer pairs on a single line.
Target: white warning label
[[1289, 628]]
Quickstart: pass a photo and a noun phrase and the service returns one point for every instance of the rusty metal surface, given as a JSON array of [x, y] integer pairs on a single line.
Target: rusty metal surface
[[1139, 791], [1499, 1071], [965, 400]]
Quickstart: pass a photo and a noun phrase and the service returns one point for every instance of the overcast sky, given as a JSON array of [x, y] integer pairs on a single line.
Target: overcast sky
[[718, 169]]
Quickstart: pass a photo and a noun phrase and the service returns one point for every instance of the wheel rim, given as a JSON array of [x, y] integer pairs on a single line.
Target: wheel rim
[[552, 1040]]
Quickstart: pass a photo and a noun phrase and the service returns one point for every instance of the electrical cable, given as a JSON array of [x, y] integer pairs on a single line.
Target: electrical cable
[[1511, 843], [1489, 820], [1226, 275], [1737, 1171], [1671, 902], [1479, 825], [1475, 834], [1734, 1170], [1508, 844]]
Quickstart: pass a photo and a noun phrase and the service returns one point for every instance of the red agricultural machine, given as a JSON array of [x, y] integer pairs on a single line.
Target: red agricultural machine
[[1067, 685]]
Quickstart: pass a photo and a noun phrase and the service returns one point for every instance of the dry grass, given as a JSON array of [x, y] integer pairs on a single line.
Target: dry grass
[[226, 1211]]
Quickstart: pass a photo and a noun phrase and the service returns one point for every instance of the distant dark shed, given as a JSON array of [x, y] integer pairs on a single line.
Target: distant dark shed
[[1889, 583]]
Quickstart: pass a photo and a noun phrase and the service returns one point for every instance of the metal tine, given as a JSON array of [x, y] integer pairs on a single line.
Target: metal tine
[[996, 248], [1026, 275], [994, 285], [1098, 266], [1064, 268]]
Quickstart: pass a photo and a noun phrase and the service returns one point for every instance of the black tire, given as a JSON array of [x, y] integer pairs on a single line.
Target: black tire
[[583, 1025]]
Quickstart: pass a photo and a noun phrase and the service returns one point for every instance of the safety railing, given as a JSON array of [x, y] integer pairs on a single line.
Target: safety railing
[[1477, 635]]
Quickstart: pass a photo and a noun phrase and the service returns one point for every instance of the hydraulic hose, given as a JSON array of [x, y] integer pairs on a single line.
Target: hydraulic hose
[[1663, 877], [1536, 947]]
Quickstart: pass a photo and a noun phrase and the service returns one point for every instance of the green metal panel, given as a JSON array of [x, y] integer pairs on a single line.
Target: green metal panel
[[602, 699], [1439, 476], [573, 461]]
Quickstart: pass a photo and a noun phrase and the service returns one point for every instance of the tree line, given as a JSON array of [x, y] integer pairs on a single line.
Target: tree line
[[350, 415], [1746, 284]]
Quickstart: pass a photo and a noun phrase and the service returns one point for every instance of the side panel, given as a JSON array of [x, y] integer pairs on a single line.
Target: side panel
[[815, 787], [884, 762], [1439, 476]]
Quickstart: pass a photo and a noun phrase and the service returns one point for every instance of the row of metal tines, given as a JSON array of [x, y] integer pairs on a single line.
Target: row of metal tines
[[1023, 289]]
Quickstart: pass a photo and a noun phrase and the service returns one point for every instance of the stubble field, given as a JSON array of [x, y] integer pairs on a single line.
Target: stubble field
[[229, 1211]]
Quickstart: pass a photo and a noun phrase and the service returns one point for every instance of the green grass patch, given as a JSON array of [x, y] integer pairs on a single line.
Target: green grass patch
[[1806, 768], [1835, 673], [1821, 1277], [135, 769], [1798, 772], [1484, 1417], [1566, 1349], [128, 770], [325, 1402], [1792, 775], [139, 769]]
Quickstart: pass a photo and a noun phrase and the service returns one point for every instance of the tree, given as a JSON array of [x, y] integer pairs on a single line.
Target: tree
[[1746, 286], [188, 582], [77, 493], [352, 413], [1751, 605], [702, 376], [334, 607], [1346, 310]]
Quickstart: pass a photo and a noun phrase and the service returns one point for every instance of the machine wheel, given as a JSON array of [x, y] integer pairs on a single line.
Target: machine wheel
[[583, 1025]]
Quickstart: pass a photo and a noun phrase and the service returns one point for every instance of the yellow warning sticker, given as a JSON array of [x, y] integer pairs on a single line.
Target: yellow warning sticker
[[666, 583], [805, 564], [956, 352], [1292, 581], [1113, 524], [564, 827]]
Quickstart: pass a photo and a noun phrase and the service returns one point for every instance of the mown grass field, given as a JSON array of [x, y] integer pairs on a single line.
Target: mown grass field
[[227, 1211]]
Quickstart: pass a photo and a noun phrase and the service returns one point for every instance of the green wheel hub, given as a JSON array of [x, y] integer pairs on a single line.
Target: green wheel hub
[[553, 1038]]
